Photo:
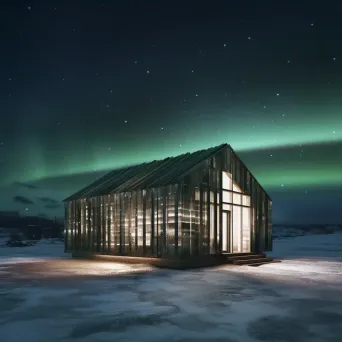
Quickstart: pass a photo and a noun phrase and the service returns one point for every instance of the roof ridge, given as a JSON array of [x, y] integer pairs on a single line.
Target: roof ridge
[[158, 172]]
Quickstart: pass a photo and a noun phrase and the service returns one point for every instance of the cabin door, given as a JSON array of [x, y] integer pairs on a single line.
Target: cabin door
[[226, 231], [240, 235]]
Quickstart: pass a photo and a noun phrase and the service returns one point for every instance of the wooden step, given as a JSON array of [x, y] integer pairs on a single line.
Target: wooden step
[[239, 254], [246, 257], [252, 261], [264, 263]]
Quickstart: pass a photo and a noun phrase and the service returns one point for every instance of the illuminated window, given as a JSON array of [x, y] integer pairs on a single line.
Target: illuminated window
[[227, 196], [226, 181]]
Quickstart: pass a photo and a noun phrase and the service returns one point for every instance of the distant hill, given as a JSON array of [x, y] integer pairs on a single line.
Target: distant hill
[[281, 231]]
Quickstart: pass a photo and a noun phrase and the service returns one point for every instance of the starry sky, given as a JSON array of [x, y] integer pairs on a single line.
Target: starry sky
[[87, 86]]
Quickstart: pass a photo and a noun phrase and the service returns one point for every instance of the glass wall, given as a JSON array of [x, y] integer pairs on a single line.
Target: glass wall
[[141, 223], [217, 207]]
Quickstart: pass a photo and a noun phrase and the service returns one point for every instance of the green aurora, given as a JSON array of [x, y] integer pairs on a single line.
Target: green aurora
[[275, 158]]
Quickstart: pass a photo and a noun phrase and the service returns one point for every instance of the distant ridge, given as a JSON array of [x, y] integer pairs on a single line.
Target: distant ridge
[[281, 231]]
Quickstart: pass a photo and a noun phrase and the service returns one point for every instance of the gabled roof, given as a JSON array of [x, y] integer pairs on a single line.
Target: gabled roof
[[157, 173]]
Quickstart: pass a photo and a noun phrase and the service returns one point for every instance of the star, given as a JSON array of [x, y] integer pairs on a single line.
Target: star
[[125, 121], [278, 94], [162, 128], [249, 38], [224, 45], [10, 79], [29, 8], [196, 95], [147, 71], [334, 58]]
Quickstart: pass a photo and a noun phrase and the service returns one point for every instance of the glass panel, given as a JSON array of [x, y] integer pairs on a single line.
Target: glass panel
[[140, 220], [95, 225], [117, 223], [133, 222], [236, 199], [236, 230], [227, 207], [180, 220], [224, 231], [106, 228], [112, 225], [170, 228], [69, 226], [218, 228], [126, 216], [205, 228], [246, 230], [236, 188], [227, 196], [156, 219], [246, 200], [197, 194], [148, 221], [212, 226], [161, 226], [211, 197], [226, 181]]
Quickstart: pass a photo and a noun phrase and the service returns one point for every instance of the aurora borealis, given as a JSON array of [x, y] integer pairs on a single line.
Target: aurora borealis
[[90, 86]]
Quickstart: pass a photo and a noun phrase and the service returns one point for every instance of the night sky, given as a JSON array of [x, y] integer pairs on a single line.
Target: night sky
[[87, 86]]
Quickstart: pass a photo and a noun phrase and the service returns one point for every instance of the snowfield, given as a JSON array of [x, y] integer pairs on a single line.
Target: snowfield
[[47, 296]]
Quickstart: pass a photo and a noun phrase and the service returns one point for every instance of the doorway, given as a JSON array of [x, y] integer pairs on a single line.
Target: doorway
[[226, 216]]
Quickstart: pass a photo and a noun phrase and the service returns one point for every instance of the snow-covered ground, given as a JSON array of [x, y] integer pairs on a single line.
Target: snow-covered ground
[[42, 250], [46, 296]]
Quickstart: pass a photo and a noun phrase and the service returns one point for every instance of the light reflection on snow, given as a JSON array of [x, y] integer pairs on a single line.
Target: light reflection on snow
[[59, 268], [21, 260], [226, 303]]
